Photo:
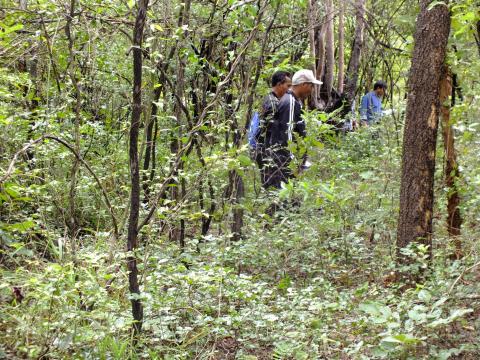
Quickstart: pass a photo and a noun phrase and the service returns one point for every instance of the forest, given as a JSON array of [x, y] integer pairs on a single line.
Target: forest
[[135, 221]]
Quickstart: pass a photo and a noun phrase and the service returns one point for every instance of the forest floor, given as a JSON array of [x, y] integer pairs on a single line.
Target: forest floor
[[316, 281]]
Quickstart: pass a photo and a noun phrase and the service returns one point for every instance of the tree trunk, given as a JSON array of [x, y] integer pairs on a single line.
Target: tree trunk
[[330, 51], [454, 219], [235, 187], [312, 19], [354, 62], [178, 229], [29, 62], [321, 50], [341, 45], [311, 30], [150, 145], [132, 239], [420, 134]]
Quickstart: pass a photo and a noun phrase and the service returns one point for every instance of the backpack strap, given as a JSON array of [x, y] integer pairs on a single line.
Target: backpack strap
[[290, 117]]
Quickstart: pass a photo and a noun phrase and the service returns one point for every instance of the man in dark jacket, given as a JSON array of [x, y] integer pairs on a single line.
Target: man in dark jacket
[[281, 82], [286, 121]]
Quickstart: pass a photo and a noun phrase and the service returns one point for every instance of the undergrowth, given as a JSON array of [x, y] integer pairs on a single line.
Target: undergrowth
[[315, 280]]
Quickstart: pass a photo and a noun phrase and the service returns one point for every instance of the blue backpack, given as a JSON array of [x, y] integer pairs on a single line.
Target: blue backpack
[[254, 130]]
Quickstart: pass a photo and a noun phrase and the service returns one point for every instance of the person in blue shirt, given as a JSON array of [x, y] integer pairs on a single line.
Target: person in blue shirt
[[371, 106]]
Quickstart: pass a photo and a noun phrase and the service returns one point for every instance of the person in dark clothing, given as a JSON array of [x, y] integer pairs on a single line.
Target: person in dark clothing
[[286, 121], [281, 82]]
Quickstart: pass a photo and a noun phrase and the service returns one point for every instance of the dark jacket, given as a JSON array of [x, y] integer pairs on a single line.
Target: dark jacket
[[286, 121], [269, 108]]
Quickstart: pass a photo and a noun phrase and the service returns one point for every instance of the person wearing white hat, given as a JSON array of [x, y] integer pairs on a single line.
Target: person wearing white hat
[[287, 121]]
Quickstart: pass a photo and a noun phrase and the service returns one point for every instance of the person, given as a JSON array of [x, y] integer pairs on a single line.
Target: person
[[287, 123], [371, 105], [280, 82]]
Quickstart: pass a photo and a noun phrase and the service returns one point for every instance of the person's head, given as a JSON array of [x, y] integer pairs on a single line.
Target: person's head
[[281, 82], [380, 88], [303, 82]]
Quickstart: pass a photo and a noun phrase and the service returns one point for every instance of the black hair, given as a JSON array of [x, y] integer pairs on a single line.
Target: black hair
[[279, 77], [380, 84]]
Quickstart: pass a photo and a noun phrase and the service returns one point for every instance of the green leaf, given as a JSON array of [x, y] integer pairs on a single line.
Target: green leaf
[[457, 313], [11, 29], [244, 160], [20, 227], [285, 283], [379, 313], [401, 339], [454, 315], [418, 313], [13, 190], [424, 295]]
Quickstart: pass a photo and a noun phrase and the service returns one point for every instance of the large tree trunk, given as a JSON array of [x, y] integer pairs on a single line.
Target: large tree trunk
[[132, 237], [341, 45], [420, 135], [354, 62], [454, 219]]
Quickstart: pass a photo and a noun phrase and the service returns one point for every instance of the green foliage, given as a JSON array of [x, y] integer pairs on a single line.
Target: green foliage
[[313, 279]]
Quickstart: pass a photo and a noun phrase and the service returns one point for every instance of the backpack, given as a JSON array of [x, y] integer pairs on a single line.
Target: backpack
[[254, 130]]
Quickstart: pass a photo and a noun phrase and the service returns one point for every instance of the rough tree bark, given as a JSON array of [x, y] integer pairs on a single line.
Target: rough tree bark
[[354, 62], [454, 219], [421, 124], [341, 45], [132, 237]]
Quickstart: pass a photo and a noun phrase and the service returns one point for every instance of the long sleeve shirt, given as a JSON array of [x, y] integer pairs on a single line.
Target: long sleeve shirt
[[267, 113], [371, 108], [287, 121]]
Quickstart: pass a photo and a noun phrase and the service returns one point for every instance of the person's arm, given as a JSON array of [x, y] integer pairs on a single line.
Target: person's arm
[[300, 127], [265, 116], [364, 108]]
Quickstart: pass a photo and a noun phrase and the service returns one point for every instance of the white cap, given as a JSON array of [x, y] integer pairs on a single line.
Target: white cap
[[304, 76]]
